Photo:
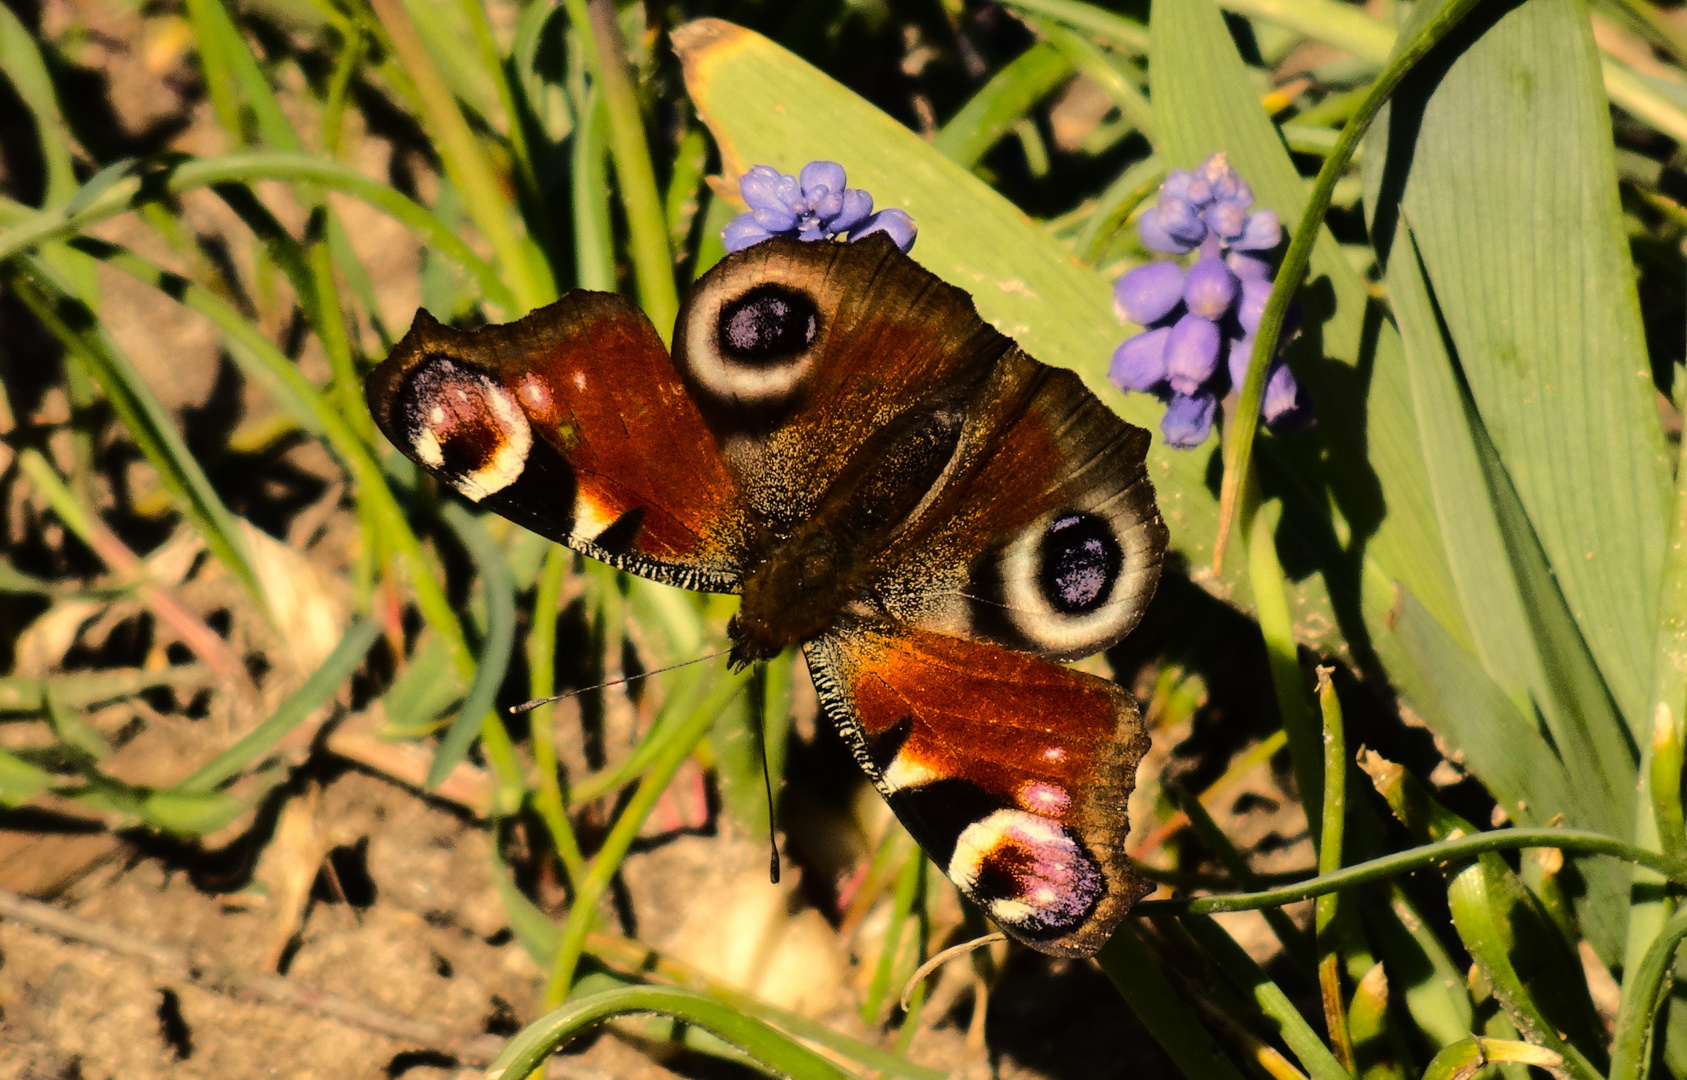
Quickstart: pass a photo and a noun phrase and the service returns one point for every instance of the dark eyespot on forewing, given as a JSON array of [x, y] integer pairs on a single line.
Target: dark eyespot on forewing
[[1080, 561], [464, 425], [768, 324]]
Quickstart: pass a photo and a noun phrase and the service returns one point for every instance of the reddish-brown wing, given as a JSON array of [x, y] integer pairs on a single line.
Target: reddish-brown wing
[[1013, 773], [800, 354], [573, 422]]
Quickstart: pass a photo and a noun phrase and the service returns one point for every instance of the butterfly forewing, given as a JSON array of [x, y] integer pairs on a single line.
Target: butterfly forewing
[[573, 422], [800, 354]]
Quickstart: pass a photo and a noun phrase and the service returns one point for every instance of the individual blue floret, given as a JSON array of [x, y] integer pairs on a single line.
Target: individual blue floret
[[1188, 420], [1149, 293], [815, 205]]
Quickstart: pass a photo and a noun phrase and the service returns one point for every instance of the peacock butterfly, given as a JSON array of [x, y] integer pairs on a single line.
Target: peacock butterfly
[[888, 482]]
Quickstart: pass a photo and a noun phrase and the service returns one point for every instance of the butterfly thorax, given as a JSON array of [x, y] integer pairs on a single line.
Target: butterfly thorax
[[821, 565], [795, 594]]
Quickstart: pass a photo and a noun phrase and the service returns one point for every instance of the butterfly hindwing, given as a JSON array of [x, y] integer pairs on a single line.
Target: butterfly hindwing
[[1012, 772], [573, 422]]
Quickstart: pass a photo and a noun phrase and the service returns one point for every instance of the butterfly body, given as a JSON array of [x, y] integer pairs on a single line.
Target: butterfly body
[[890, 484]]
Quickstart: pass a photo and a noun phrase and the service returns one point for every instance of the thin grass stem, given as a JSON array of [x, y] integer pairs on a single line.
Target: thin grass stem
[[607, 862], [1444, 852], [548, 798]]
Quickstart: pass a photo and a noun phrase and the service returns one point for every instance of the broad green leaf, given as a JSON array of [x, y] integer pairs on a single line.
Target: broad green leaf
[[1524, 635], [1498, 154], [1499, 744], [1363, 453]]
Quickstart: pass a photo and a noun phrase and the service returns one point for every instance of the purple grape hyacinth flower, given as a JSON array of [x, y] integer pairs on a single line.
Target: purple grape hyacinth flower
[[815, 205], [1198, 323]]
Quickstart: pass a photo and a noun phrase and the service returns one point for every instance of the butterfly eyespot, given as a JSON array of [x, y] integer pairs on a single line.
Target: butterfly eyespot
[[1068, 584], [750, 348], [768, 324], [1030, 873], [1079, 563], [464, 426]]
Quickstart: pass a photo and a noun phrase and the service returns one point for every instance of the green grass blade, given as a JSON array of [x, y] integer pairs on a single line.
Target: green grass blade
[[548, 798], [1291, 1026], [685, 186], [1288, 683], [1570, 841], [19, 694], [528, 1050], [1466, 1059], [224, 48], [176, 178], [607, 862], [492, 64], [1419, 969], [653, 261], [21, 781], [86, 340], [594, 234], [1127, 34], [1088, 59], [22, 65], [1135, 186], [329, 677], [1014, 90], [1347, 27], [264, 363], [1174, 1025], [466, 164], [476, 714], [1658, 810], [1643, 994]]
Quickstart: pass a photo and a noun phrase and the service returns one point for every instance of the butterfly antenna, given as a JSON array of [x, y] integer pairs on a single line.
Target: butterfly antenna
[[529, 706], [767, 786]]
